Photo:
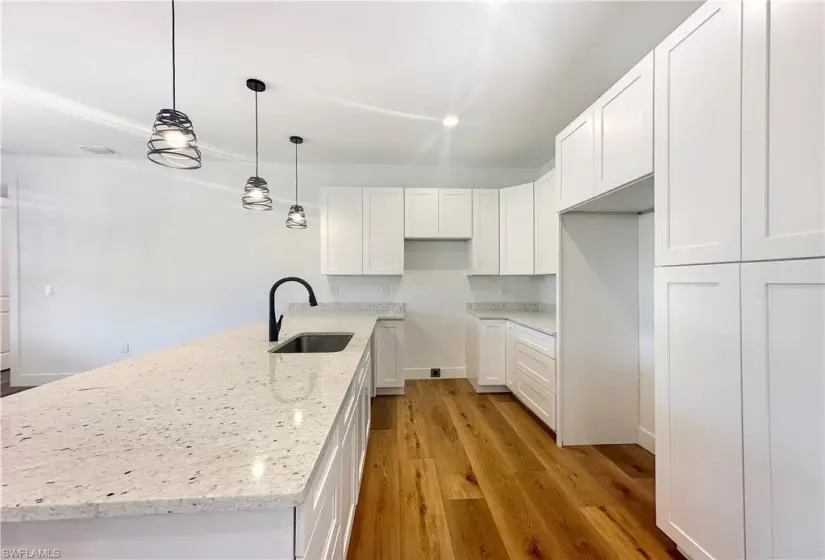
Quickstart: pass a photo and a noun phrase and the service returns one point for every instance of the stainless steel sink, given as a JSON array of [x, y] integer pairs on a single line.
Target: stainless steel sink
[[313, 343]]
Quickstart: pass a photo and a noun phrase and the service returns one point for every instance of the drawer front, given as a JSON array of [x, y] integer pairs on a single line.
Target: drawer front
[[541, 402], [538, 366], [538, 341], [323, 486]]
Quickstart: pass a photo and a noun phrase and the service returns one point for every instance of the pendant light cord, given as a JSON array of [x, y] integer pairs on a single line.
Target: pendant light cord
[[256, 134], [296, 173], [174, 100]]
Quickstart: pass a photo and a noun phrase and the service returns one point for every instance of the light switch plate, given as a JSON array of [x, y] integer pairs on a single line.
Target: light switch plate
[[49, 290]]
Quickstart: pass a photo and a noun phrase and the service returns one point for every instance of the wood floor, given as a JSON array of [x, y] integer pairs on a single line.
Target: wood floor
[[453, 474]]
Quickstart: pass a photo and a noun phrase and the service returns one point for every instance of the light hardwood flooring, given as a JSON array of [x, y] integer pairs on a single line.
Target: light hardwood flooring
[[452, 474]]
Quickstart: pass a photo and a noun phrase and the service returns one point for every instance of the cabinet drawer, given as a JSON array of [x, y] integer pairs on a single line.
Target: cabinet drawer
[[541, 402], [536, 340], [538, 366], [322, 488]]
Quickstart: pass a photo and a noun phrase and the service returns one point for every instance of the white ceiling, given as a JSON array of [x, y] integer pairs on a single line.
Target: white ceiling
[[364, 83]]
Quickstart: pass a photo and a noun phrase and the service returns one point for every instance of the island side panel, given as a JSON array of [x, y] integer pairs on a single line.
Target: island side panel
[[237, 534]]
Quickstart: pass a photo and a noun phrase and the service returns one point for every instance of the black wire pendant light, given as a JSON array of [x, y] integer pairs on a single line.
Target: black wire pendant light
[[173, 142], [296, 219], [256, 193]]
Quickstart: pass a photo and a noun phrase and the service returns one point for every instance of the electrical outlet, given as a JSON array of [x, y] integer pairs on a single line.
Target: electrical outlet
[[124, 348], [49, 290], [333, 290], [435, 372]]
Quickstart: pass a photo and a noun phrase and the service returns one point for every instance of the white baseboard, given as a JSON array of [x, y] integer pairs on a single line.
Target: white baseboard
[[647, 440], [446, 373], [384, 391], [34, 379]]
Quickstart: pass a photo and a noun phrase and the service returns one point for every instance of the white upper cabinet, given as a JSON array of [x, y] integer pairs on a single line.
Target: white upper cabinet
[[698, 386], [516, 230], [438, 214], [383, 231], [575, 161], [546, 238], [421, 213], [484, 247], [698, 138], [783, 328], [624, 129], [341, 231], [783, 119], [455, 213]]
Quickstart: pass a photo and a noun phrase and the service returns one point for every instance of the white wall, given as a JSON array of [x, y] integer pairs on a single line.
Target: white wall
[[148, 256], [645, 275]]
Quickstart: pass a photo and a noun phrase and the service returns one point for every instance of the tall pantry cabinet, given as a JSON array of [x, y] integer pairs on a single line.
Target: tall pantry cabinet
[[739, 328]]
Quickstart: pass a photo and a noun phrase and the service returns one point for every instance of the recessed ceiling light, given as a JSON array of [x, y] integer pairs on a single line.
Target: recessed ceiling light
[[98, 150], [450, 121]]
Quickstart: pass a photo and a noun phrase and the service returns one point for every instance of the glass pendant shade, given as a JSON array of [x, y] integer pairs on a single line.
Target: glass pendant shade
[[296, 219], [256, 195], [173, 142]]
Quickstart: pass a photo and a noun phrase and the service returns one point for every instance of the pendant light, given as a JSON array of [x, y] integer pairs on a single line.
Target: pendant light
[[173, 142], [296, 219], [256, 192]]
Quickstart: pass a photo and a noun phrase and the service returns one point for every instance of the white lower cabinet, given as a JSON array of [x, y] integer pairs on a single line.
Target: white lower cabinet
[[783, 366], [502, 355], [699, 482], [486, 353], [324, 520], [388, 365]]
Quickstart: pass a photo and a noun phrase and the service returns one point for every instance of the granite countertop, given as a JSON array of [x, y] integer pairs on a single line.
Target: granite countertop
[[217, 424], [539, 320]]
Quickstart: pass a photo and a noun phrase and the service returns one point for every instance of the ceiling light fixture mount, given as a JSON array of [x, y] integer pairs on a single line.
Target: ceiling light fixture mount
[[256, 192], [296, 219], [450, 121], [173, 142]]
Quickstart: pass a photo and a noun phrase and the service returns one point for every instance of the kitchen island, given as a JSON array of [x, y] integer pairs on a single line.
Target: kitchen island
[[213, 448]]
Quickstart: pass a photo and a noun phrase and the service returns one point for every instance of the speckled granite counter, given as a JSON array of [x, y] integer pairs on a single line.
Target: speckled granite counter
[[538, 320], [217, 424]]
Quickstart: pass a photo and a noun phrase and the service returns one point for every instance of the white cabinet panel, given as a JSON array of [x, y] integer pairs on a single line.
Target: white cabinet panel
[[492, 352], [388, 354], [383, 231], [575, 160], [624, 126], [341, 230], [783, 96], [421, 213], [510, 357], [350, 458], [698, 138], [699, 484], [455, 213], [516, 229], [546, 224], [484, 246], [783, 329]]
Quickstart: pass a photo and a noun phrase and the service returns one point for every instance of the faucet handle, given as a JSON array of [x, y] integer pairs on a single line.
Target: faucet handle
[[280, 320]]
